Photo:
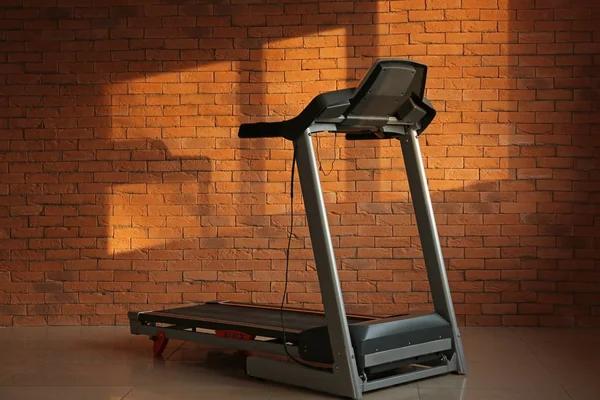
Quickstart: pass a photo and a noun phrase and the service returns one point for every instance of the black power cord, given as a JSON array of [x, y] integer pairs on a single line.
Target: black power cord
[[287, 265], [334, 155]]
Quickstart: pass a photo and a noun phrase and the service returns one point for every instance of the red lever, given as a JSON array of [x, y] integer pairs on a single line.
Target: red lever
[[229, 334]]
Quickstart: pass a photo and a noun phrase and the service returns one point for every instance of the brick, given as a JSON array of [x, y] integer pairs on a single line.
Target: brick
[[519, 297], [499, 309], [29, 320], [425, 15]]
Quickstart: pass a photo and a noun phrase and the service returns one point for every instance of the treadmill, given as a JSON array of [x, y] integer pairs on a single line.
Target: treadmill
[[332, 351]]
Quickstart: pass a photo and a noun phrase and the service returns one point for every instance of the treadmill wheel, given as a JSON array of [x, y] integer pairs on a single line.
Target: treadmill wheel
[[160, 343]]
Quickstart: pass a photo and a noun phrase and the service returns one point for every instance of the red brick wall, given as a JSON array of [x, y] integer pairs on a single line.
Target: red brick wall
[[123, 185]]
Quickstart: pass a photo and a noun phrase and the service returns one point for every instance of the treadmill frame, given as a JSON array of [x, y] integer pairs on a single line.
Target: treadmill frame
[[345, 379]]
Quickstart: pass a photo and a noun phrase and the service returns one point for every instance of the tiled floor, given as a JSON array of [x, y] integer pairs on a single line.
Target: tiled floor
[[107, 363]]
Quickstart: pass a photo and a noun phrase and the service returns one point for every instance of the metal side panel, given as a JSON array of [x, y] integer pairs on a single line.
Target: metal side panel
[[298, 375], [404, 353], [397, 332], [405, 378], [211, 339]]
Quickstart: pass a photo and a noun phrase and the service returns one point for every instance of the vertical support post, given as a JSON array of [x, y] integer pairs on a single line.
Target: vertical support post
[[430, 242], [345, 368]]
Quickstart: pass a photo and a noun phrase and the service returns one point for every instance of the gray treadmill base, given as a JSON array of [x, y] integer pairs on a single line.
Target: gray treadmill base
[[296, 375]]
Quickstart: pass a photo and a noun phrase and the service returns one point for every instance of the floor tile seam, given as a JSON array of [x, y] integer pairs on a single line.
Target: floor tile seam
[[7, 381], [545, 367], [175, 350], [129, 392]]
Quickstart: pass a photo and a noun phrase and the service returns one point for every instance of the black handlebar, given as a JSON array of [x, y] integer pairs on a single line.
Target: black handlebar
[[390, 97], [258, 130]]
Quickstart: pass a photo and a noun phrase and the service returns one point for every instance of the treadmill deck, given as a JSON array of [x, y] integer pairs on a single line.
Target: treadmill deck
[[253, 319]]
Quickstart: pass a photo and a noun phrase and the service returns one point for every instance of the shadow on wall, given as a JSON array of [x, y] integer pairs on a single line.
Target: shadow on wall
[[541, 233], [517, 163], [515, 201], [132, 190], [235, 63]]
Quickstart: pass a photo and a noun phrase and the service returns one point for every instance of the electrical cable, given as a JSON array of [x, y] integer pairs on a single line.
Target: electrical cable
[[287, 265], [334, 155]]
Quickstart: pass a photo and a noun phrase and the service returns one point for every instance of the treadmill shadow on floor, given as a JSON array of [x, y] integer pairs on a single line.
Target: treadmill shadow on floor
[[223, 361]]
